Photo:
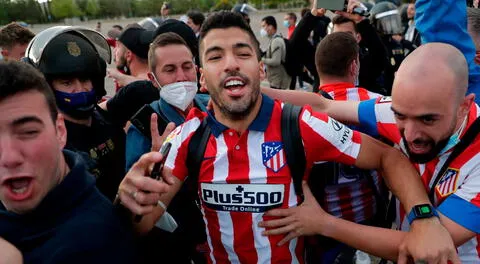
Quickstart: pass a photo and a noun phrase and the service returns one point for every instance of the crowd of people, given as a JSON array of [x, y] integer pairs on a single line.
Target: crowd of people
[[212, 151]]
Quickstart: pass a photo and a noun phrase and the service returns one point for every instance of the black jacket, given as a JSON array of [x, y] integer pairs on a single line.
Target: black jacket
[[74, 223], [373, 54]]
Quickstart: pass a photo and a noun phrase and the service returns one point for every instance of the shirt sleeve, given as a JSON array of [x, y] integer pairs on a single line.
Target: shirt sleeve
[[378, 120], [435, 22], [136, 145], [326, 139], [463, 206], [180, 138]]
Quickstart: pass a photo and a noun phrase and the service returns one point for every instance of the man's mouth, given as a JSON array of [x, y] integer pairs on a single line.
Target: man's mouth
[[419, 147], [18, 188], [235, 86]]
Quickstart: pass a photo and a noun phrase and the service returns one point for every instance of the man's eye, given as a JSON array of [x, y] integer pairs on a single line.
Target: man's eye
[[214, 58], [428, 120], [399, 116], [29, 133]]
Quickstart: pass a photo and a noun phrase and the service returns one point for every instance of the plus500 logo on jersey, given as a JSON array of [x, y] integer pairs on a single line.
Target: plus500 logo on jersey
[[252, 198]]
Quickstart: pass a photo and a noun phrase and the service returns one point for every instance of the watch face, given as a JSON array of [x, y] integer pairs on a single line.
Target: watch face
[[423, 210]]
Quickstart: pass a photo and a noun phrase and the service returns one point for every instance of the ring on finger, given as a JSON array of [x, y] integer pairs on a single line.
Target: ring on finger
[[134, 194]]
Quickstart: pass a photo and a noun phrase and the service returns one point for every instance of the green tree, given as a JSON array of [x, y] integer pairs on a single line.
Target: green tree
[[92, 9], [65, 8]]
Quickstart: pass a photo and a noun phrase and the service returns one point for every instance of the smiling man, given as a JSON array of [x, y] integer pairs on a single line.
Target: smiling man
[[244, 172], [50, 208]]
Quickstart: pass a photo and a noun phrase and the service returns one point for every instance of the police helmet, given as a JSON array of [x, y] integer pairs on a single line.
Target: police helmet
[[71, 51], [386, 18], [245, 10], [150, 23]]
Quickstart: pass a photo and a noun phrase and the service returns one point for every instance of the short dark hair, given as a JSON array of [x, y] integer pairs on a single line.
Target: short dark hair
[[293, 16], [335, 53], [473, 15], [339, 20], [162, 40], [228, 19], [196, 16], [118, 27], [270, 20], [18, 77], [12, 34], [304, 11]]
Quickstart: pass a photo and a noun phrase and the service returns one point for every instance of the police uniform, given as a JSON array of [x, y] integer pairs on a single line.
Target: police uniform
[[73, 52]]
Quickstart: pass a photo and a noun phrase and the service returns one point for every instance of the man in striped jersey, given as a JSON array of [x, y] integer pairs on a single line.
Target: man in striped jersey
[[426, 117], [244, 172]]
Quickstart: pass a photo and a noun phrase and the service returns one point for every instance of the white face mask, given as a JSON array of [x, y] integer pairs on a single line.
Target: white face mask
[[179, 94], [166, 221], [263, 32]]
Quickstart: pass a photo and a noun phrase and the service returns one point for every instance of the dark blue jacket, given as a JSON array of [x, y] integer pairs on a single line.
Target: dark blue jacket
[[73, 224]]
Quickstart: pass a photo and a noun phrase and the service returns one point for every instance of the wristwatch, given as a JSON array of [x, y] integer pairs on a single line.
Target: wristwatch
[[421, 211]]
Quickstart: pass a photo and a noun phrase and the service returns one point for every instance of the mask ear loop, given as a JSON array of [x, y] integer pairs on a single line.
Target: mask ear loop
[[156, 80]]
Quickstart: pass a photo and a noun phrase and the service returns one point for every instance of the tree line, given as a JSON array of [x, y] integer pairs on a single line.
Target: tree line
[[31, 11]]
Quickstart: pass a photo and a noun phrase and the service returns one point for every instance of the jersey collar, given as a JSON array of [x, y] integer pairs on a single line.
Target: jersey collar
[[260, 123], [330, 87]]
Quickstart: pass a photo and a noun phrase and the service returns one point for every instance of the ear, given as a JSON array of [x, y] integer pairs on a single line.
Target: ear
[[353, 68], [262, 70], [358, 37], [203, 82], [4, 53], [152, 79], [467, 104], [61, 130], [129, 55]]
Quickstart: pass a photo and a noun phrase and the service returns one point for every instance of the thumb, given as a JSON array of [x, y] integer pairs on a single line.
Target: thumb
[[141, 167], [307, 193]]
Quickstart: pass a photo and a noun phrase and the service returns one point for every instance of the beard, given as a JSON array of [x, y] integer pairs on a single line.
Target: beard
[[240, 108], [430, 155]]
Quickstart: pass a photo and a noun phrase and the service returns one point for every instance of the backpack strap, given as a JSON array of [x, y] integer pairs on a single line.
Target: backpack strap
[[293, 144], [465, 141], [195, 154]]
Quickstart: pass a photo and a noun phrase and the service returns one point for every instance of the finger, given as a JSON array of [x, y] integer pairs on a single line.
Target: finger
[[168, 129], [154, 132], [147, 184], [144, 198], [307, 193], [130, 203], [280, 212], [287, 238], [280, 230], [141, 167], [402, 256], [276, 223], [453, 257]]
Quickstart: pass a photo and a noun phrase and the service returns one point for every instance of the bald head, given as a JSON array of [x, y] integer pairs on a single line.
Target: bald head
[[433, 69]]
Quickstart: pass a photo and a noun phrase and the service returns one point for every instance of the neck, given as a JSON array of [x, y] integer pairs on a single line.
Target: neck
[[138, 69], [239, 125], [324, 80], [85, 122]]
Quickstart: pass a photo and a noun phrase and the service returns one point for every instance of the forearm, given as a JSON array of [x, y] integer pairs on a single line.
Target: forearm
[[377, 241], [343, 111], [275, 60], [402, 179]]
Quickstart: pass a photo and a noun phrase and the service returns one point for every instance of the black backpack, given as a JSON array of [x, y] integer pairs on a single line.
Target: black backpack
[[290, 64]]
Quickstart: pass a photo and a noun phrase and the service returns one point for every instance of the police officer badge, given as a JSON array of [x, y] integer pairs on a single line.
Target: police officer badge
[[74, 49]]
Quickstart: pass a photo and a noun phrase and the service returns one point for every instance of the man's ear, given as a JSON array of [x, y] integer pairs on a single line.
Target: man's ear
[[151, 77], [358, 37], [203, 83], [466, 104], [262, 70], [61, 130], [129, 56], [4, 53]]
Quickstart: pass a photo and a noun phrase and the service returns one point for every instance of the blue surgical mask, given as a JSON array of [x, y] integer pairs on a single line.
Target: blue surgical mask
[[454, 139], [76, 105], [286, 24]]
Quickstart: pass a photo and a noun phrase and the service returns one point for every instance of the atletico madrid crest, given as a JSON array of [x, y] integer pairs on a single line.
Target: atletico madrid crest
[[273, 156], [448, 183]]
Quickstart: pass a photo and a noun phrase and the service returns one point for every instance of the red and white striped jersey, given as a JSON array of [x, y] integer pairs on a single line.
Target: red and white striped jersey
[[244, 175], [352, 196], [348, 92], [457, 194]]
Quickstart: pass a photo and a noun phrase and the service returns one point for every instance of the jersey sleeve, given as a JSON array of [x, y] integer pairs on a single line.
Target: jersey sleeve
[[435, 22], [377, 119], [463, 206], [180, 138], [326, 139]]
